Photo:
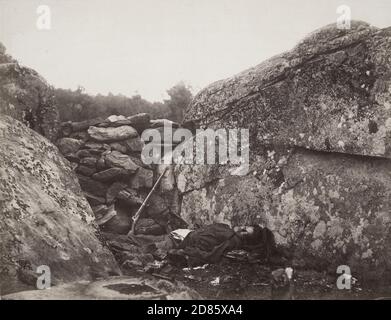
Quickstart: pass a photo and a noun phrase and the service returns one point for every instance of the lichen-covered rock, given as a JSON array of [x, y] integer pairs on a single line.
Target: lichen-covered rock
[[328, 209], [44, 218], [319, 175], [26, 96], [330, 93]]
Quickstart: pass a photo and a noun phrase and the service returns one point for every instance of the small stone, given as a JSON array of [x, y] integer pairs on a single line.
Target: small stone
[[93, 187], [140, 121], [117, 146], [74, 165], [113, 191], [112, 134], [101, 164], [72, 158], [156, 206], [146, 258], [143, 178], [168, 180], [148, 227], [109, 215], [134, 145], [81, 135], [83, 154], [69, 145], [100, 210], [94, 200], [85, 171], [84, 125], [88, 162], [157, 123], [130, 197], [117, 159], [134, 263], [115, 118], [66, 129], [119, 224], [122, 243], [139, 162], [97, 146], [97, 152]]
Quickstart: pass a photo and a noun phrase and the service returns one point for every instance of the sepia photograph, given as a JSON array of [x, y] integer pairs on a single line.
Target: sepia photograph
[[212, 151]]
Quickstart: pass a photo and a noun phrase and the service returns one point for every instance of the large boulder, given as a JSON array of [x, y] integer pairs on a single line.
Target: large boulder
[[330, 93], [27, 97], [44, 218], [319, 120]]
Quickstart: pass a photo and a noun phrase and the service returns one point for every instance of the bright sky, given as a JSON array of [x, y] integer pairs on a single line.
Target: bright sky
[[147, 46]]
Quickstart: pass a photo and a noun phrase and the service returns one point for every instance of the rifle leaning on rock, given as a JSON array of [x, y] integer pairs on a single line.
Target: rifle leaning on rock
[[140, 210]]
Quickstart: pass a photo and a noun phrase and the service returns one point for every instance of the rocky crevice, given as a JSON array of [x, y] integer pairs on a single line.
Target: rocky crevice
[[106, 156]]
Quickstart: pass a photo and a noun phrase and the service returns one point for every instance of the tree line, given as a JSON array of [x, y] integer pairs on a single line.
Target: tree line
[[77, 105]]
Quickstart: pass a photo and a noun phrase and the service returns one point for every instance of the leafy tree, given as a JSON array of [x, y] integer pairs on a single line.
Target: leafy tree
[[180, 98]]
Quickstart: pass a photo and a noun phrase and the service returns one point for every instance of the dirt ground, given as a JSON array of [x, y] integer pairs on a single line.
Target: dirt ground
[[251, 281]]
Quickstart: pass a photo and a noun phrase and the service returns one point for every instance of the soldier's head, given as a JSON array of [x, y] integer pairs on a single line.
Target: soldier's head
[[255, 235]]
